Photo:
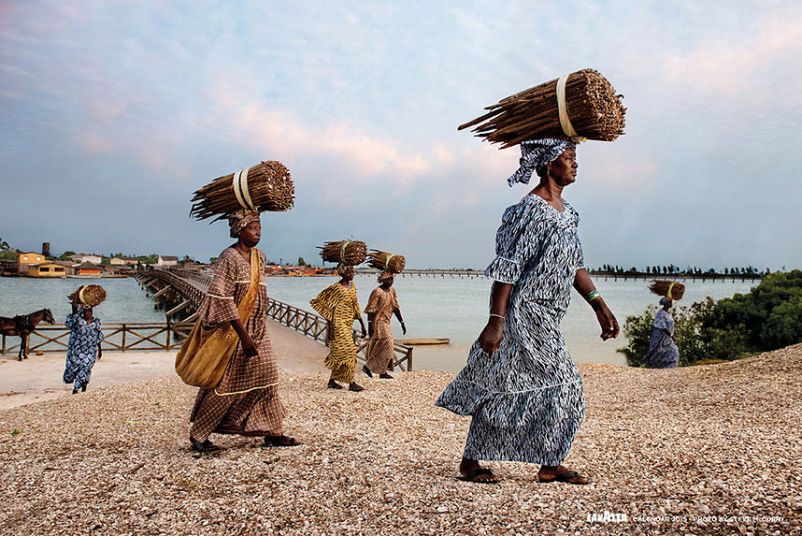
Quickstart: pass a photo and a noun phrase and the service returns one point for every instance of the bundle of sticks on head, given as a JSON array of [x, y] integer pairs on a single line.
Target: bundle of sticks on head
[[350, 252], [90, 295], [668, 289], [386, 262], [582, 104], [264, 187]]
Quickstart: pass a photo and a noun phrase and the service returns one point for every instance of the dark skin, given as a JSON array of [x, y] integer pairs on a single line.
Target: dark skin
[[346, 279], [556, 176]]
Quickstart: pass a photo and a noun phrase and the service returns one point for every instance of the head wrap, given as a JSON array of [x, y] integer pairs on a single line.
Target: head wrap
[[341, 268], [665, 301], [384, 276], [240, 219], [535, 154]]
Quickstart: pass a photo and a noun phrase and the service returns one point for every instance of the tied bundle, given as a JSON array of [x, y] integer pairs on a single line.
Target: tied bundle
[[351, 252], [91, 295], [581, 104], [264, 187], [386, 262], [669, 289]]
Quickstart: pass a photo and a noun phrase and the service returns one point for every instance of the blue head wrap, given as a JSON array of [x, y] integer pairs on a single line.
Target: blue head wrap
[[664, 301], [535, 154]]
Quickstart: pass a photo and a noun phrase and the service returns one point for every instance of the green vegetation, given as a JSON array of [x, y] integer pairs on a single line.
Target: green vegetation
[[767, 318]]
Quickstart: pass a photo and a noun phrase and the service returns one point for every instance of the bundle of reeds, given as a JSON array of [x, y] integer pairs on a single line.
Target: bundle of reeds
[[669, 289], [386, 262], [264, 187], [91, 295], [352, 252], [592, 109]]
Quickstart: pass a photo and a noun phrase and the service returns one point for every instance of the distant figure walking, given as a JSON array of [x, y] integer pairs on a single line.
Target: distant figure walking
[[83, 347], [339, 305], [663, 350], [382, 305]]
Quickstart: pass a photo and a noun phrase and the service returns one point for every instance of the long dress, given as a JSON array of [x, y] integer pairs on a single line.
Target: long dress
[[380, 355], [663, 351], [82, 349], [246, 401], [339, 305], [526, 400]]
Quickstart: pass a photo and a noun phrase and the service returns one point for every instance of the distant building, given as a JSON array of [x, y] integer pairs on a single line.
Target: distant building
[[48, 269], [25, 260], [88, 269], [123, 261], [167, 260], [46, 249], [87, 257]]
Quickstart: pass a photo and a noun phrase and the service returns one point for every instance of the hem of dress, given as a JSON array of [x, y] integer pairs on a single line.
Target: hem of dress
[[519, 459]]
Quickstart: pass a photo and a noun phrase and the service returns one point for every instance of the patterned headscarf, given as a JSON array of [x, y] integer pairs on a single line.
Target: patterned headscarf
[[341, 268], [664, 301], [240, 219], [535, 154], [384, 276]]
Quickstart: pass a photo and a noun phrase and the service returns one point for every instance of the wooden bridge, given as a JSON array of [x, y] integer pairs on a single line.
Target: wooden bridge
[[181, 293]]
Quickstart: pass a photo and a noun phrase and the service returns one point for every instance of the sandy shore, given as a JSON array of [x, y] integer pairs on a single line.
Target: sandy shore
[[39, 377], [702, 450]]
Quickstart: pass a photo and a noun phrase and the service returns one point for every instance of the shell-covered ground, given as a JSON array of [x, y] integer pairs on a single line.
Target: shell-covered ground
[[700, 450]]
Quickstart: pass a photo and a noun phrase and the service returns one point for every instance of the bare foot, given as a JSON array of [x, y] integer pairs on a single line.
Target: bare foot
[[471, 471], [367, 371], [551, 473], [355, 387]]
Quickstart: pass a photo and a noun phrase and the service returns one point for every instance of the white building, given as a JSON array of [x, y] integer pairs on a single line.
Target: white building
[[87, 257], [167, 260], [123, 261]]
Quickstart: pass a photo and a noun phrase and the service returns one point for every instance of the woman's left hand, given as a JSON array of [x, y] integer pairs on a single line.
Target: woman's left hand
[[607, 321]]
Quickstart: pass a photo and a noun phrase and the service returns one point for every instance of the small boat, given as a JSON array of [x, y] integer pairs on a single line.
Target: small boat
[[421, 342]]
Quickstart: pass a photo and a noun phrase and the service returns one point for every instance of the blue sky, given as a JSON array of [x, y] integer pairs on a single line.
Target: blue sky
[[113, 113]]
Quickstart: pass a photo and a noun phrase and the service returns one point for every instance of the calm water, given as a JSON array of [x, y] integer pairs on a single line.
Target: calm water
[[457, 308], [432, 307]]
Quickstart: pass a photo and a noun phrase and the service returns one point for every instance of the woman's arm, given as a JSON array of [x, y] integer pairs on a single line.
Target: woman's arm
[[246, 341], [397, 313], [362, 324], [371, 317], [493, 333], [584, 285]]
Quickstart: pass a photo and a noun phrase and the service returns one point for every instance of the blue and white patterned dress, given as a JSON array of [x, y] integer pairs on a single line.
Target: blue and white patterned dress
[[663, 351], [82, 348], [526, 401]]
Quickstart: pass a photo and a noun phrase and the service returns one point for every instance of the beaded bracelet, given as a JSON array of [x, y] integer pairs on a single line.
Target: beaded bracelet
[[500, 316], [592, 295]]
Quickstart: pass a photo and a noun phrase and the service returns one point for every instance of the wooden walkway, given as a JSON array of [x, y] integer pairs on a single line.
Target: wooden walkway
[[183, 291]]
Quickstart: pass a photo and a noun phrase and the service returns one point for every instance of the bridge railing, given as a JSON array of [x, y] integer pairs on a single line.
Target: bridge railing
[[316, 327]]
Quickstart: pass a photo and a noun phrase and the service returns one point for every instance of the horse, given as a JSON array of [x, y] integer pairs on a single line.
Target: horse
[[22, 326]]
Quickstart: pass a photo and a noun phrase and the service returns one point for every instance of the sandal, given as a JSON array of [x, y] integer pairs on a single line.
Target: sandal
[[281, 441], [203, 446], [569, 477], [385, 376], [479, 475]]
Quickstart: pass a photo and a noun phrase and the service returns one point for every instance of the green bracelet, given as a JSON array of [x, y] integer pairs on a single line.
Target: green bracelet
[[592, 295]]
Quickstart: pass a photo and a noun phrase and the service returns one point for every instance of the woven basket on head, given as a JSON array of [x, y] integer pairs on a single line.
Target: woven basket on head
[[581, 104], [91, 295], [351, 252], [386, 262], [669, 289], [264, 187]]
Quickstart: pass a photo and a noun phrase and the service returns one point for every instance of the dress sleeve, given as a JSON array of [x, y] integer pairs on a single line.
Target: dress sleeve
[[75, 322], [373, 302], [220, 306], [660, 320], [580, 261], [514, 240], [325, 302]]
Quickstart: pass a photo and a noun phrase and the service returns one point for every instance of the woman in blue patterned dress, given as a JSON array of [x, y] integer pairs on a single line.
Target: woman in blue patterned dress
[[663, 351], [520, 386], [83, 347]]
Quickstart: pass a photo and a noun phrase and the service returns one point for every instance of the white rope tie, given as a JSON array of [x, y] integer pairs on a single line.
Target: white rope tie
[[240, 184], [342, 250], [562, 108], [387, 262]]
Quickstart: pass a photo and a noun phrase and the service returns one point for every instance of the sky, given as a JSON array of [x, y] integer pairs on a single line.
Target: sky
[[113, 112]]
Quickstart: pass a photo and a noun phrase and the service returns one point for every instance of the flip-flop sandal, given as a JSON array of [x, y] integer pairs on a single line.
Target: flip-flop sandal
[[472, 476], [281, 441], [569, 477]]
